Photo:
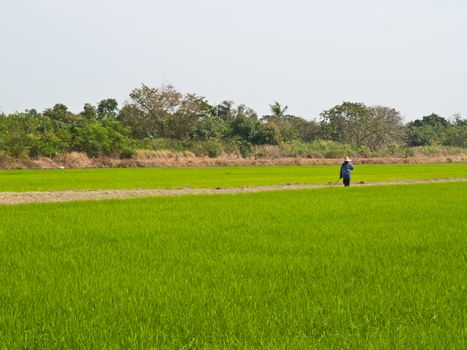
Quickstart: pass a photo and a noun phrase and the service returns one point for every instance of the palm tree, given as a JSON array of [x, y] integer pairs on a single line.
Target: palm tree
[[277, 111]]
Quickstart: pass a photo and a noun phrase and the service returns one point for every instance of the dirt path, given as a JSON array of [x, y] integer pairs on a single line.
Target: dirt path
[[11, 198]]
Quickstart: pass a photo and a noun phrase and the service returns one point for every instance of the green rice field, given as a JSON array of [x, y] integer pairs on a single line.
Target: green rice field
[[369, 267], [91, 179]]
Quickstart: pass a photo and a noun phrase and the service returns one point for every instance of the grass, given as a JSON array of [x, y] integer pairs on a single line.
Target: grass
[[375, 267], [90, 179]]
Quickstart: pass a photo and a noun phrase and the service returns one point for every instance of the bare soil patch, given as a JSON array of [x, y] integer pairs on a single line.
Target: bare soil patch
[[13, 198]]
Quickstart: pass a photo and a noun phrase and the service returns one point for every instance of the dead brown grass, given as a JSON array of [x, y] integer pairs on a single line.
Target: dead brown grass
[[145, 159]]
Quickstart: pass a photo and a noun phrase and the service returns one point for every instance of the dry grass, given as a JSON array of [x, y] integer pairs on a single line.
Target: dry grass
[[146, 159]]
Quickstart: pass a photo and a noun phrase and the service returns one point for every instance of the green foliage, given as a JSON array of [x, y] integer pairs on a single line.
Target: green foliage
[[45, 144], [346, 122], [291, 127], [268, 134], [150, 110], [61, 116], [106, 137], [317, 149], [427, 131], [356, 124], [209, 128], [436, 130], [166, 144], [58, 130], [107, 108], [210, 148], [297, 128], [89, 111], [30, 135], [225, 110], [165, 119], [245, 128], [127, 153], [182, 124], [245, 149], [456, 135]]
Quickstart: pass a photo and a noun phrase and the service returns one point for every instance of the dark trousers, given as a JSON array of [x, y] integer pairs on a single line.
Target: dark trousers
[[346, 182]]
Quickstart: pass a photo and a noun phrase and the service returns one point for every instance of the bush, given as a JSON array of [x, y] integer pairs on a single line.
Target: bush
[[245, 149], [106, 137], [209, 128], [268, 134], [166, 144], [317, 149], [245, 128], [127, 153], [212, 148]]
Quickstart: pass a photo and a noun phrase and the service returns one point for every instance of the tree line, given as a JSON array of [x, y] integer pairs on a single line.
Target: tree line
[[165, 113]]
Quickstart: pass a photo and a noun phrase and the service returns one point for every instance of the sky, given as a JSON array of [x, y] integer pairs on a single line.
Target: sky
[[309, 55]]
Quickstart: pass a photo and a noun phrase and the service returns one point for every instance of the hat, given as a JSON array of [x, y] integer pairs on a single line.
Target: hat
[[347, 159]]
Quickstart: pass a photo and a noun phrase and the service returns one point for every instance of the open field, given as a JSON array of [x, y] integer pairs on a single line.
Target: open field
[[374, 267], [92, 179]]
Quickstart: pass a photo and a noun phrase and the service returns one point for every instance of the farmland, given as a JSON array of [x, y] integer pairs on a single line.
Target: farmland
[[92, 179], [375, 267]]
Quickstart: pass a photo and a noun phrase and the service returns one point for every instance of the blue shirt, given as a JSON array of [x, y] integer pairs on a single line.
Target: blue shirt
[[346, 169]]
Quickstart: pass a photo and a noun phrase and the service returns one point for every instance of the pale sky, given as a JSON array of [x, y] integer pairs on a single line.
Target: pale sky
[[307, 54]]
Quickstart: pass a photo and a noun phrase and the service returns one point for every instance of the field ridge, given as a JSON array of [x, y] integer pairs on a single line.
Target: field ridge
[[14, 198]]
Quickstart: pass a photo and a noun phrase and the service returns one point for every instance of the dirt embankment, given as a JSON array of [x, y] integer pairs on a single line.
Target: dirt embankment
[[186, 159], [12, 198]]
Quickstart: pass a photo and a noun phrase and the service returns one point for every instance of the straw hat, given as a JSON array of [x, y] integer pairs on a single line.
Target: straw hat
[[347, 159]]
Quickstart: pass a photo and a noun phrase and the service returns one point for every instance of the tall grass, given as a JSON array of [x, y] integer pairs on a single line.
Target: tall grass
[[299, 149], [335, 268]]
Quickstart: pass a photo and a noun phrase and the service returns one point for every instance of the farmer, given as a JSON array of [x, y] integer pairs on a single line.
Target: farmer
[[346, 169]]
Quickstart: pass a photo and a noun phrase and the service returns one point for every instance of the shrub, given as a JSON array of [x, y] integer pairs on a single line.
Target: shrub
[[245, 149], [268, 134], [127, 153], [211, 148], [166, 144]]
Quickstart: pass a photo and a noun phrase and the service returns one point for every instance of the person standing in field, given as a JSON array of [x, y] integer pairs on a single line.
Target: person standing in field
[[346, 169]]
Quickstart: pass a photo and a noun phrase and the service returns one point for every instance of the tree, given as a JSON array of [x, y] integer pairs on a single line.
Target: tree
[[305, 130], [386, 127], [267, 134], [89, 111], [107, 108], [456, 135], [16, 134], [61, 122], [245, 128], [431, 129], [181, 124], [224, 110], [291, 127], [101, 137], [243, 111], [60, 113], [136, 120], [347, 122], [209, 128], [357, 124], [281, 120], [150, 109], [278, 112]]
